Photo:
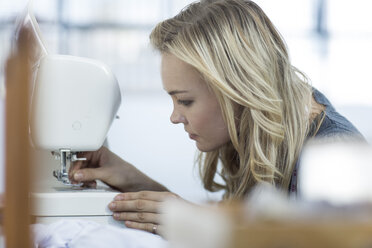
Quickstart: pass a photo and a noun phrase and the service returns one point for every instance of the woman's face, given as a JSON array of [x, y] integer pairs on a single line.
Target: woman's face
[[194, 104]]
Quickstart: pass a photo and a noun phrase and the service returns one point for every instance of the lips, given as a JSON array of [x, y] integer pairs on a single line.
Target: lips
[[192, 136]]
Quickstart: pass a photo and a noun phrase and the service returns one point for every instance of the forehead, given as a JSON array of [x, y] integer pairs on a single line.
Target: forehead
[[178, 75]]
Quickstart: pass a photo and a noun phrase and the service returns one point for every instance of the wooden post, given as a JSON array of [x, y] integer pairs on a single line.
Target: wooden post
[[17, 148]]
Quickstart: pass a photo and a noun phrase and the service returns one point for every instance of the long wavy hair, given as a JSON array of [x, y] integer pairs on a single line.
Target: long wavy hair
[[265, 101]]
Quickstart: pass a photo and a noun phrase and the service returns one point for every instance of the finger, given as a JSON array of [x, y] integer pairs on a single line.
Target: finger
[[134, 206], [141, 217], [90, 184], [75, 167], [149, 227], [89, 174], [71, 177], [146, 195]]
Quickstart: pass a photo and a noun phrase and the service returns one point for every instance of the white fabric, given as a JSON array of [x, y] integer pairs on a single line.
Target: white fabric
[[80, 234]]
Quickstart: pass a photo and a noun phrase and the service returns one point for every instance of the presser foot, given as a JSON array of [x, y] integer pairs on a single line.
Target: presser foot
[[66, 158]]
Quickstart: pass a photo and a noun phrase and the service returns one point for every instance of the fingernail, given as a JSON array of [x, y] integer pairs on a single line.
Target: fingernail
[[127, 223], [112, 205], [119, 197], [78, 176], [116, 215]]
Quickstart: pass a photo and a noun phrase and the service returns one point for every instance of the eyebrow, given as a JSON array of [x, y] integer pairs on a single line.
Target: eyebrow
[[173, 92]]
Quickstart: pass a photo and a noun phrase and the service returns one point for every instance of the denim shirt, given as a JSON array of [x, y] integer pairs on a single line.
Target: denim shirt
[[334, 125]]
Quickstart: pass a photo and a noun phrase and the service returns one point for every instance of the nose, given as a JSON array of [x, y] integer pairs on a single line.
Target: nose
[[177, 117]]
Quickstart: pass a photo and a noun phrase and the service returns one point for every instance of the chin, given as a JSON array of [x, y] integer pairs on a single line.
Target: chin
[[206, 148]]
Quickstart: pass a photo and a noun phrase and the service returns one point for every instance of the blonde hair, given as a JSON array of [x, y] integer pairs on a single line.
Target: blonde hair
[[264, 99]]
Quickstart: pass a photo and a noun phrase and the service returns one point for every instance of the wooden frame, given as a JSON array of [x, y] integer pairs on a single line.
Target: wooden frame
[[17, 146]]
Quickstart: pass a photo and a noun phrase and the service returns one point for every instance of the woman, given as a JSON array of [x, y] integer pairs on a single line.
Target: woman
[[234, 89]]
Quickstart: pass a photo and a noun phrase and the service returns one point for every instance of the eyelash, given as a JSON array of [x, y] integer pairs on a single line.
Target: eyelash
[[186, 103]]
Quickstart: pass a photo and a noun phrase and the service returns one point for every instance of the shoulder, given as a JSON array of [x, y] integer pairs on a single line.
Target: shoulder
[[334, 125]]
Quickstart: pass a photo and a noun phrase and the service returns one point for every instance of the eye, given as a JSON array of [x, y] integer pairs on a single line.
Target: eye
[[186, 103]]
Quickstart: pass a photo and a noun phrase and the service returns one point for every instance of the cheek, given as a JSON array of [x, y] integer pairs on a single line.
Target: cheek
[[212, 137], [210, 125], [201, 121]]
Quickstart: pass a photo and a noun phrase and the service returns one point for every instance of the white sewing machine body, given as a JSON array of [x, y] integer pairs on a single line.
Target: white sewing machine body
[[74, 101]]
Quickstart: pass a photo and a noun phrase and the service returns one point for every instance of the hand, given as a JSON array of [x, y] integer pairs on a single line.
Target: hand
[[101, 164], [106, 166], [140, 210]]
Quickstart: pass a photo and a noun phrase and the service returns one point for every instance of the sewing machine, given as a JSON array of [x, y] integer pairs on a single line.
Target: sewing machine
[[74, 101]]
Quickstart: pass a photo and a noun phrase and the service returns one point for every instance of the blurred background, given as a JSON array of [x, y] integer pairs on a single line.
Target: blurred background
[[329, 40]]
